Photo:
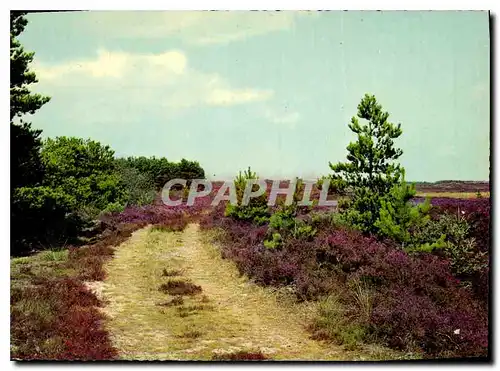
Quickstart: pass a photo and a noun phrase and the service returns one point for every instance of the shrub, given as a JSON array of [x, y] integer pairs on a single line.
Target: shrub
[[397, 215], [404, 320], [139, 188], [57, 319], [336, 185], [158, 171], [114, 207], [42, 216], [467, 261], [285, 224], [257, 210], [367, 277], [83, 169], [175, 225]]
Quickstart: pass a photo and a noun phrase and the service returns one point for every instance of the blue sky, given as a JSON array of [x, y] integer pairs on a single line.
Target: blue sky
[[273, 90]]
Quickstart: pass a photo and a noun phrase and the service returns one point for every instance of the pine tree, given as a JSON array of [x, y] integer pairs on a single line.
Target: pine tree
[[371, 171], [26, 167], [28, 223], [22, 101]]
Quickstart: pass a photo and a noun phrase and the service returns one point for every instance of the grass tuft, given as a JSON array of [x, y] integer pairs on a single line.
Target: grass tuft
[[178, 300], [191, 334], [177, 287], [170, 273]]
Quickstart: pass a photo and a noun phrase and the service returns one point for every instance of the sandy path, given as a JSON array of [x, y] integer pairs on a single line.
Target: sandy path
[[231, 314]]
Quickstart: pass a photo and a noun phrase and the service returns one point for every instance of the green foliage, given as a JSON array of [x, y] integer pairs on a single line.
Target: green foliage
[[284, 224], [22, 101], [257, 210], [32, 208], [275, 241], [303, 231], [114, 207], [257, 214], [160, 170], [452, 232], [25, 162], [324, 220], [138, 187], [284, 219], [188, 170], [84, 169], [370, 172], [465, 258], [336, 185], [398, 216], [42, 216], [240, 182], [76, 157], [298, 194]]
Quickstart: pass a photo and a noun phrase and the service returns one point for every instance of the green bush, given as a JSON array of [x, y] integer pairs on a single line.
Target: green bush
[[138, 187], [283, 219], [453, 233], [397, 215], [336, 184], [257, 210], [83, 169], [113, 207], [275, 241], [42, 216], [284, 224], [159, 170]]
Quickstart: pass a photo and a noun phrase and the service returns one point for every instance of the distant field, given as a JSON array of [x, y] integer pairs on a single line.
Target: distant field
[[453, 186], [452, 194]]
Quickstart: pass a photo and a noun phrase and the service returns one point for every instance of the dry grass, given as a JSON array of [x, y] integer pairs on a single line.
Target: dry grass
[[240, 316], [178, 300], [171, 273]]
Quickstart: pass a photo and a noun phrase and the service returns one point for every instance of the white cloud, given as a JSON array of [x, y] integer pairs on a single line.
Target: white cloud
[[115, 65], [193, 27], [162, 80], [227, 97]]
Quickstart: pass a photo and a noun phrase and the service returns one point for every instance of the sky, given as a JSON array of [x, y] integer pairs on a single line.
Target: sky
[[270, 90]]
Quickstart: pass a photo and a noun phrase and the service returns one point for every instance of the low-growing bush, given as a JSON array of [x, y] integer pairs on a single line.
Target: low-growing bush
[[398, 216], [257, 210], [368, 276], [284, 224]]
